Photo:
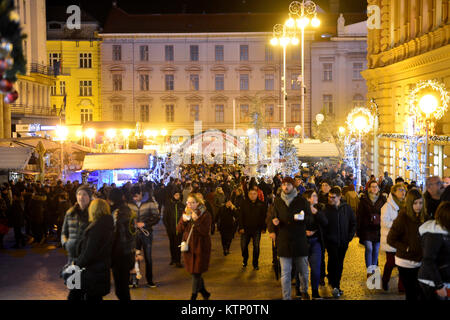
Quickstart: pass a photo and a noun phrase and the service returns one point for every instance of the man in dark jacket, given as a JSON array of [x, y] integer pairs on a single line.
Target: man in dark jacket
[[252, 215], [147, 215], [339, 224], [289, 210], [435, 189], [75, 222], [173, 210]]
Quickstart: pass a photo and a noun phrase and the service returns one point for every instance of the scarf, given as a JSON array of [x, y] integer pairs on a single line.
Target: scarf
[[373, 197], [399, 203], [287, 198]]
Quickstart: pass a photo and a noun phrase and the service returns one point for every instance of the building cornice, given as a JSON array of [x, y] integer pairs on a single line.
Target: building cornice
[[169, 97], [269, 68], [244, 68], [194, 98], [219, 68], [193, 67], [219, 97]]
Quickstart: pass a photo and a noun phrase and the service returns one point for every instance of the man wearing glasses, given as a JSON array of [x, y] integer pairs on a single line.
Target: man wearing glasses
[[435, 188], [339, 222]]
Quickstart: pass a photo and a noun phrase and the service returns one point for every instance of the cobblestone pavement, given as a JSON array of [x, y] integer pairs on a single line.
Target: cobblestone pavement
[[33, 274]]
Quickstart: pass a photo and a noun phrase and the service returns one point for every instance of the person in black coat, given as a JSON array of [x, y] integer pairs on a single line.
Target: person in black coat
[[123, 248], [339, 224], [289, 211], [18, 219], [252, 221], [368, 230], [173, 210], [94, 252], [226, 218]]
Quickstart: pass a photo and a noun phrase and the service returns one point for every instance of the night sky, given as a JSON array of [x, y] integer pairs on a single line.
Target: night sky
[[99, 8]]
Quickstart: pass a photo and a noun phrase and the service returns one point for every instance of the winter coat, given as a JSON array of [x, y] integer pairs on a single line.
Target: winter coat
[[124, 241], [173, 210], [18, 213], [404, 236], [37, 208], [313, 223], [339, 224], [351, 197], [368, 217], [226, 220], [291, 239], [388, 214], [75, 221], [94, 254], [431, 204], [435, 269], [196, 260], [252, 216], [147, 212]]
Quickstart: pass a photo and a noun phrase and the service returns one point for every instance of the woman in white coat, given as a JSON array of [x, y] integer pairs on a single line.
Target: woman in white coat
[[389, 213]]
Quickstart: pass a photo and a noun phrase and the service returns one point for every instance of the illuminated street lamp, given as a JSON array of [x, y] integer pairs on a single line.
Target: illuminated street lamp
[[62, 132], [90, 134], [427, 105], [111, 134], [164, 132], [341, 131]]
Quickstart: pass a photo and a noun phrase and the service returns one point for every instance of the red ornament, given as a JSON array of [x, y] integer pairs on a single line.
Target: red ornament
[[3, 66], [11, 97], [5, 85]]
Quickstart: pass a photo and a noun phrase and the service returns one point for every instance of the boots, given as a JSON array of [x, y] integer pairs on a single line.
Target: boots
[[205, 294], [194, 296]]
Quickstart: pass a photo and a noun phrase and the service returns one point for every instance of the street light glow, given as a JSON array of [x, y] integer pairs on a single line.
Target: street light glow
[[164, 132], [285, 41], [315, 22], [126, 133], [428, 104], [79, 134], [302, 22], [294, 41], [341, 130], [360, 123], [62, 132], [90, 133], [290, 23], [250, 131], [111, 133], [147, 133], [274, 41]]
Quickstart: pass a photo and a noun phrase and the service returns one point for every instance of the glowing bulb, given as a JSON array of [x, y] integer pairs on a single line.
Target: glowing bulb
[[341, 130], [294, 41], [250, 131], [284, 41], [428, 104], [126, 133], [90, 133], [290, 23], [110, 133], [62, 132], [147, 133], [164, 132], [274, 41], [154, 133], [315, 22], [360, 123], [79, 133], [302, 22]]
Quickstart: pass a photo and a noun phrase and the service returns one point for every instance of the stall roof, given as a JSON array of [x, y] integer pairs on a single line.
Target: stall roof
[[317, 150], [14, 158], [111, 161], [31, 142]]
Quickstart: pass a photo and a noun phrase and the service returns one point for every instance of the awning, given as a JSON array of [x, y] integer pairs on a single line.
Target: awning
[[112, 161], [13, 158], [317, 150]]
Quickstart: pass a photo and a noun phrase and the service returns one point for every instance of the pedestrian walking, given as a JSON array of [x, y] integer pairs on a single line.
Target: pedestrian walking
[[173, 210], [226, 220]]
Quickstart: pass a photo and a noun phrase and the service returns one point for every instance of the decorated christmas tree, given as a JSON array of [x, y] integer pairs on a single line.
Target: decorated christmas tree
[[288, 155]]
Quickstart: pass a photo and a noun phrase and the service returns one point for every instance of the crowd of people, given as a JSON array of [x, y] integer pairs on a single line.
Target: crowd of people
[[308, 217]]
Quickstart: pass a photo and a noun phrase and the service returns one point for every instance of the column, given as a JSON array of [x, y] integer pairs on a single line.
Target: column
[[6, 120]]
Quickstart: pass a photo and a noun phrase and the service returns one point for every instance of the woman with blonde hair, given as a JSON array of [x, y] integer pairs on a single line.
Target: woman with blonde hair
[[195, 224], [95, 251]]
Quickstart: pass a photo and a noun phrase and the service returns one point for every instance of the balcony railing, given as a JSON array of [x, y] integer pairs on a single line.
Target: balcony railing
[[31, 110]]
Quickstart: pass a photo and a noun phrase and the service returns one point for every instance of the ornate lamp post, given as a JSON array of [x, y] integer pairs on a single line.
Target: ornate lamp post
[[62, 132]]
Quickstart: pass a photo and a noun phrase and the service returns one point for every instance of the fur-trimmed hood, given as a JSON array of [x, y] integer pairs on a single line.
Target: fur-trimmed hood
[[431, 226]]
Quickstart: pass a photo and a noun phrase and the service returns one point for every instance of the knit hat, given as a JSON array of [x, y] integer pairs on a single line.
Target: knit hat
[[288, 180], [86, 189]]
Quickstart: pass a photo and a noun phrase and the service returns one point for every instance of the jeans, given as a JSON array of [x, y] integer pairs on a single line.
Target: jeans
[[245, 240], [371, 253], [146, 243], [410, 282], [315, 257], [336, 256], [301, 265]]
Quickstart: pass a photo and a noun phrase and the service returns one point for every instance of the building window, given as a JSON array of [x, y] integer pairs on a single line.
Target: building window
[[170, 114], [269, 53], [62, 88], [220, 79], [357, 69], [145, 113], [143, 50], [244, 116], [52, 89], [194, 52], [269, 116], [295, 83], [358, 101], [144, 82], [219, 52], [194, 112], [169, 82], [54, 58], [327, 72], [85, 60], [219, 113], [86, 88], [117, 112], [269, 81], [117, 52], [194, 82], [117, 82], [243, 52], [86, 115], [243, 82], [169, 53], [328, 103], [295, 113]]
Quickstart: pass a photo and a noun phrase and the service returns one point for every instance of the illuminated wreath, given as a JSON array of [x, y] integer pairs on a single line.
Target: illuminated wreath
[[436, 86], [360, 112]]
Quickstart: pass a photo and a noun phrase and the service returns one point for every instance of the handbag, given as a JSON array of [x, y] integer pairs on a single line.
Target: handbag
[[184, 246]]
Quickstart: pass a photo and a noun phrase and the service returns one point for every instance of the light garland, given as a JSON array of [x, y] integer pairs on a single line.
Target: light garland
[[365, 112], [441, 139], [350, 147]]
